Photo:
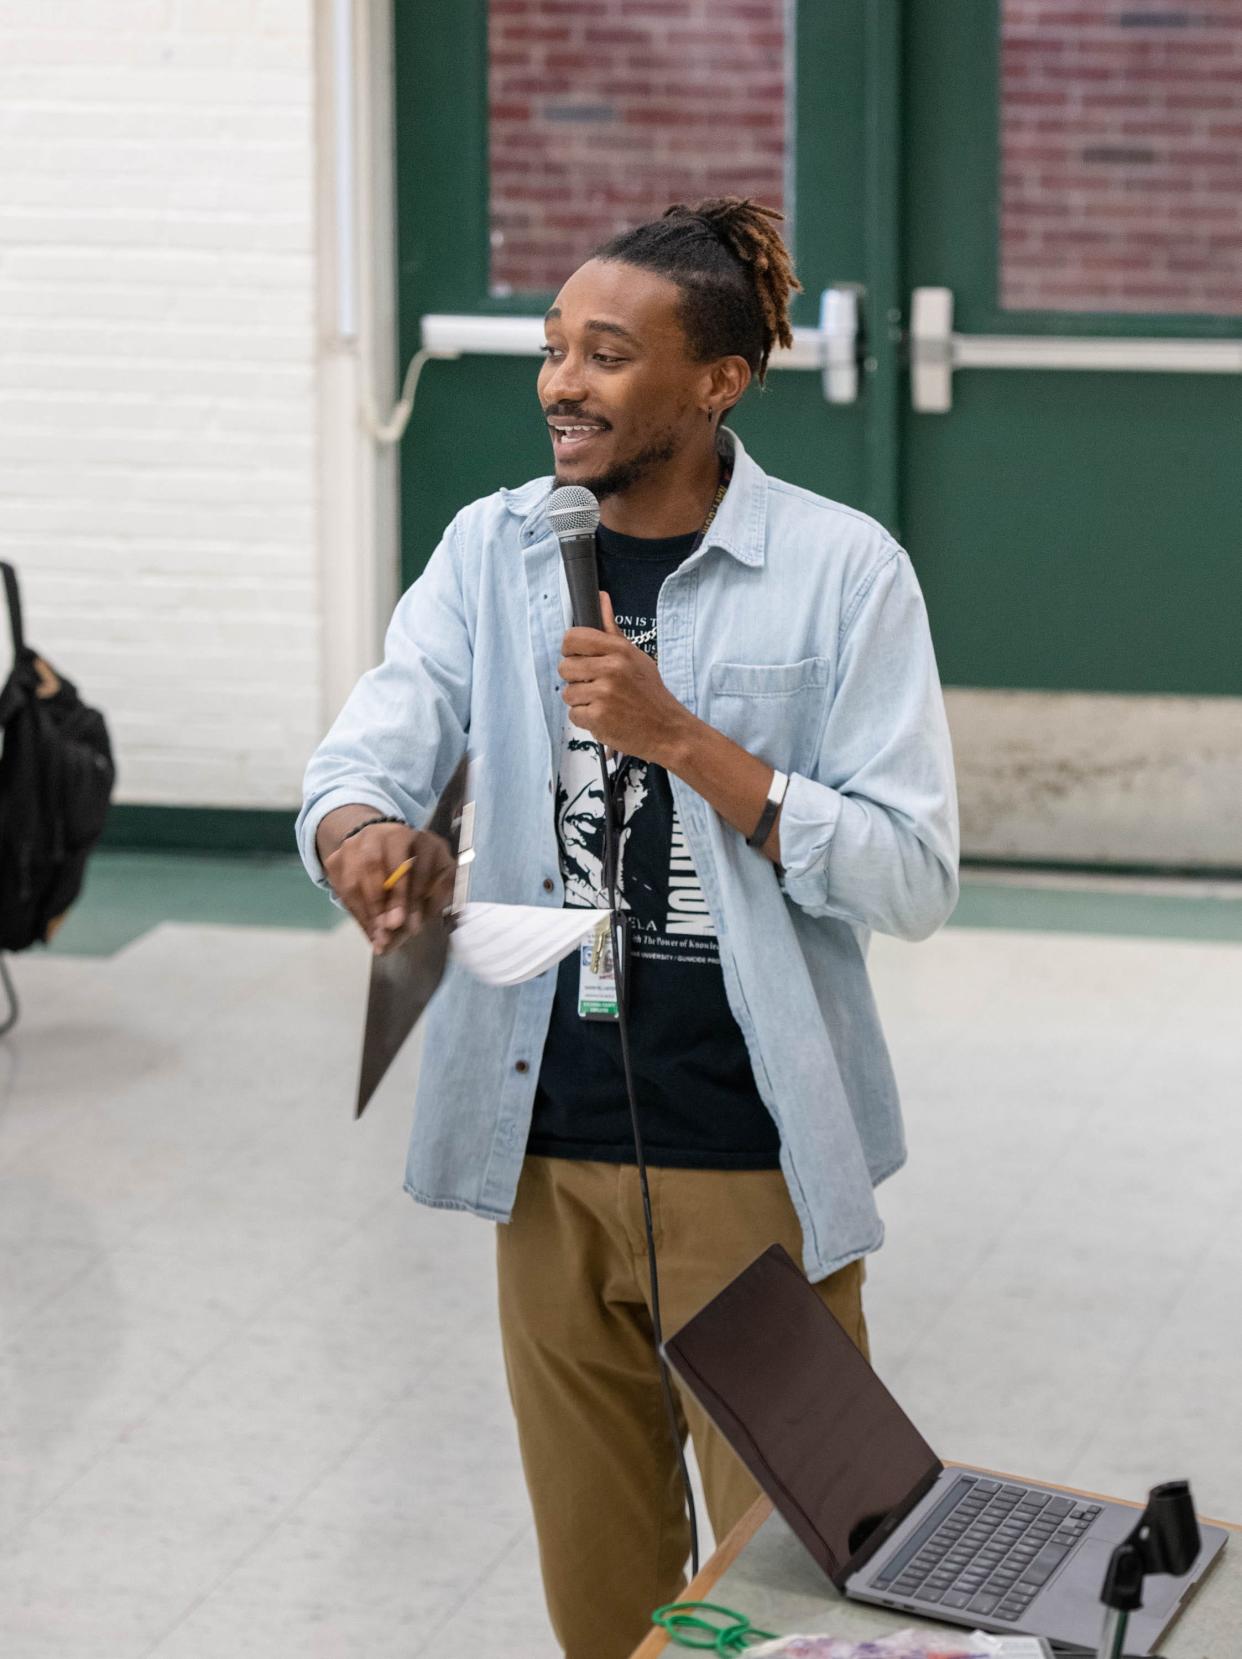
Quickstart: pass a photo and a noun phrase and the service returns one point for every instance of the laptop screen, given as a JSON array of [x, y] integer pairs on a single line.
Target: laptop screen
[[804, 1411]]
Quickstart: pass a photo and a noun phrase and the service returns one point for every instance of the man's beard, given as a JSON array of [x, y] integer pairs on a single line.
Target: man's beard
[[625, 474]]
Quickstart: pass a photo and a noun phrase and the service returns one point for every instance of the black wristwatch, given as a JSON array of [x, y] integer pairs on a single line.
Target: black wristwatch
[[776, 795]]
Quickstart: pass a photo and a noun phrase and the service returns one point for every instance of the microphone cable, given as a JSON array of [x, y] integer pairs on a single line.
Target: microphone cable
[[581, 571], [618, 937]]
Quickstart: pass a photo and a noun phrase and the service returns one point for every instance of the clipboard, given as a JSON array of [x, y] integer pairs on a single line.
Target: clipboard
[[404, 980]]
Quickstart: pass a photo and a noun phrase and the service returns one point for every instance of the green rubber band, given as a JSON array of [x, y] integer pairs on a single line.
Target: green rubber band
[[679, 1618]]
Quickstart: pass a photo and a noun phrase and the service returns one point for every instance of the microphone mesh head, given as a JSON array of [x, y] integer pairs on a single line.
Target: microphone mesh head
[[572, 511]]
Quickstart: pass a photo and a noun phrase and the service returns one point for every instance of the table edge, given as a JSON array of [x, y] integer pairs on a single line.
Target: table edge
[[711, 1572]]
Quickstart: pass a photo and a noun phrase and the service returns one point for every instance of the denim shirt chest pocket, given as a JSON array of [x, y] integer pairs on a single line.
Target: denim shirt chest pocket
[[776, 710]]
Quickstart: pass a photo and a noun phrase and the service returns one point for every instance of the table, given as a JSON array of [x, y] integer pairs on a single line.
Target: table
[[763, 1571]]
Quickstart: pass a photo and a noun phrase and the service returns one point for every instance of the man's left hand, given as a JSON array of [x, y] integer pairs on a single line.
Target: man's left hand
[[614, 691]]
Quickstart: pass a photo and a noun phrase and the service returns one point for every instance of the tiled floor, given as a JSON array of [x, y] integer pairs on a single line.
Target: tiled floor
[[251, 1402]]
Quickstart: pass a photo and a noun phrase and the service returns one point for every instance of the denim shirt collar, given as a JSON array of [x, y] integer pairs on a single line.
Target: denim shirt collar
[[738, 529]]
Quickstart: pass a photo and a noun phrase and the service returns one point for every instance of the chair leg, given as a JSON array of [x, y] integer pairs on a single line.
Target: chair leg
[[10, 996]]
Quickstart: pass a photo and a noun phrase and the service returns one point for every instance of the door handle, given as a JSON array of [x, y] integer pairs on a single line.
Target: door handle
[[936, 352], [832, 347], [838, 331]]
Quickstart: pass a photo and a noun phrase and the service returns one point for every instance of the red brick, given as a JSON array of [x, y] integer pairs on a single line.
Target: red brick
[[1036, 99], [1069, 19], [1201, 100], [1205, 213], [1204, 47], [1184, 76], [531, 34], [613, 35], [558, 88], [1153, 128], [1045, 208], [1071, 179], [765, 94], [1130, 262], [1028, 153], [750, 11], [1096, 100], [1079, 124], [666, 115], [1022, 45], [682, 40], [1186, 157], [558, 58], [1076, 236], [1163, 296], [1080, 73]]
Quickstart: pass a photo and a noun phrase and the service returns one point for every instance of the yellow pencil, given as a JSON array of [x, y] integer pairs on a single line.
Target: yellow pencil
[[402, 870]]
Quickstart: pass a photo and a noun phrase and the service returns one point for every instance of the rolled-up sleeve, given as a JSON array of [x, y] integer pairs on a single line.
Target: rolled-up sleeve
[[872, 837], [403, 728]]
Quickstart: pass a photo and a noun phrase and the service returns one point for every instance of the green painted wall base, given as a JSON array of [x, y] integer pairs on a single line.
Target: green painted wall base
[[127, 893], [1105, 911], [201, 829]]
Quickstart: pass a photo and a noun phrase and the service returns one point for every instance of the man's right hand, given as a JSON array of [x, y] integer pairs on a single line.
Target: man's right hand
[[360, 865]]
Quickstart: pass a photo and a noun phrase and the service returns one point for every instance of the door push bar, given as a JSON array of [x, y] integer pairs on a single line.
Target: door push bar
[[936, 351], [832, 348]]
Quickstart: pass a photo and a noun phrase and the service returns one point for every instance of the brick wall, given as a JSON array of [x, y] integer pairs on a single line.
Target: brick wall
[[1122, 137], [157, 373], [605, 111]]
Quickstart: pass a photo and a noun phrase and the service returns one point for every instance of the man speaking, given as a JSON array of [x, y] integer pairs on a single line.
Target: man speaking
[[781, 784]]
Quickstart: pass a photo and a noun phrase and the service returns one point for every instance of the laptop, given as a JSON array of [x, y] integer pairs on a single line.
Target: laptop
[[866, 1495]]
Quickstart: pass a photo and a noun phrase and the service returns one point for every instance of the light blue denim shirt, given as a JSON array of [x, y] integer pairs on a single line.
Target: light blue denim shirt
[[799, 630]]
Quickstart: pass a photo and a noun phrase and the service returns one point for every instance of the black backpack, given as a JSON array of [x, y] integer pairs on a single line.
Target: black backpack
[[56, 777]]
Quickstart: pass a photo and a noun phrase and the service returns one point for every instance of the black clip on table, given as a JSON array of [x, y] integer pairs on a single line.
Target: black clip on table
[[1166, 1540]]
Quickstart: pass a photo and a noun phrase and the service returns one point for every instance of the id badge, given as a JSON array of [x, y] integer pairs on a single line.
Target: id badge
[[597, 974]]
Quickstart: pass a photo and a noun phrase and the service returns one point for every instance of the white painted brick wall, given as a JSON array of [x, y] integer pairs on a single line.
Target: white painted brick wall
[[157, 379]]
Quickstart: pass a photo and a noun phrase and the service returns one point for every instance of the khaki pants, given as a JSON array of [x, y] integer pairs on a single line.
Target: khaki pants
[[576, 1325]]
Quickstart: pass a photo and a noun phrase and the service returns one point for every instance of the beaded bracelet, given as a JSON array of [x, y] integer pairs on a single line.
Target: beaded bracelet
[[366, 824]]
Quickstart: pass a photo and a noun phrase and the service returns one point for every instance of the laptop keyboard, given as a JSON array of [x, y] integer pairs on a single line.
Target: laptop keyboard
[[987, 1549]]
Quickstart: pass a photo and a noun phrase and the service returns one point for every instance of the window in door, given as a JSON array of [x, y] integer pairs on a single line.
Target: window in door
[[602, 112], [1121, 134]]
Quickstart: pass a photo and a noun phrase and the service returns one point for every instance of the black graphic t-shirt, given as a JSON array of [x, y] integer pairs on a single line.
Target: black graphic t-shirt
[[697, 1101]]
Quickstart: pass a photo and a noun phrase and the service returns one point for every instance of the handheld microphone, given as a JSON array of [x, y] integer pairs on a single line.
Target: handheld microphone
[[573, 513]]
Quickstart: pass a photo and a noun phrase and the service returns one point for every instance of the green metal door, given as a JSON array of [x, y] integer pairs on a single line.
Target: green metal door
[[1076, 531]]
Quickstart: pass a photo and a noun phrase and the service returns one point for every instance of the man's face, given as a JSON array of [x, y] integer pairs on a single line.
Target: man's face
[[619, 390]]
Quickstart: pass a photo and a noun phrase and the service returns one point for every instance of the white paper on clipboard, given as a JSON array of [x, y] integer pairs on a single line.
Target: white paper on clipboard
[[507, 944]]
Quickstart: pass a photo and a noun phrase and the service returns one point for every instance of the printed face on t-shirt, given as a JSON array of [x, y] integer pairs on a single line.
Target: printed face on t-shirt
[[580, 823]]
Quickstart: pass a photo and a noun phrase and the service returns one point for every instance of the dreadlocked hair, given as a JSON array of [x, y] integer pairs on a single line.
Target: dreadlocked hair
[[733, 268]]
